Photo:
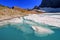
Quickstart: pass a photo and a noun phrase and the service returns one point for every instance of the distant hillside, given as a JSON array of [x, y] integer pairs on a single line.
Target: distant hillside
[[50, 3], [7, 13]]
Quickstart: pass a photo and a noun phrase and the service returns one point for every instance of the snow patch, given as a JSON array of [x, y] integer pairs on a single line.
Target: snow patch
[[41, 31], [44, 19]]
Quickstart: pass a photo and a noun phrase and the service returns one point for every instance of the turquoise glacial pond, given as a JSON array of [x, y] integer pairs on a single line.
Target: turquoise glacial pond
[[24, 32]]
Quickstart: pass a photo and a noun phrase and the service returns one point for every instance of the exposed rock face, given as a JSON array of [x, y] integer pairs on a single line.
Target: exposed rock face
[[50, 3]]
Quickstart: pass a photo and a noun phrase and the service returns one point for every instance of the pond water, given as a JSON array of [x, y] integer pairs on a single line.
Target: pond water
[[24, 32], [29, 30]]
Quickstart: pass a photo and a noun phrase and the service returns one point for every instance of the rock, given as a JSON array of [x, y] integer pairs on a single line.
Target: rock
[[50, 3]]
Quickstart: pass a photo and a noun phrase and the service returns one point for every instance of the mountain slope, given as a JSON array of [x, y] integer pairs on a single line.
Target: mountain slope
[[7, 13], [50, 3]]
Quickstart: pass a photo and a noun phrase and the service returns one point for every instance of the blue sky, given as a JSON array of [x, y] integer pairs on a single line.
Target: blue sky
[[21, 3]]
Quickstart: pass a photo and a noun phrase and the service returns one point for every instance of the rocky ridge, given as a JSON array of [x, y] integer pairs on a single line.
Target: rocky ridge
[[50, 3], [8, 13]]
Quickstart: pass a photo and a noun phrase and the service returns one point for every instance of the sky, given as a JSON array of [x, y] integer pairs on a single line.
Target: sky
[[21, 3]]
